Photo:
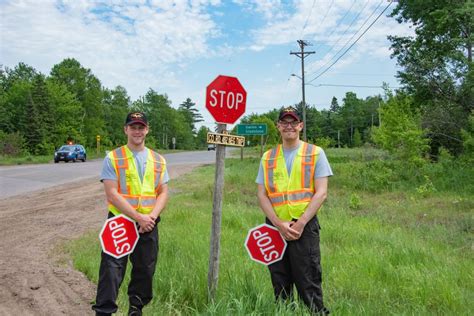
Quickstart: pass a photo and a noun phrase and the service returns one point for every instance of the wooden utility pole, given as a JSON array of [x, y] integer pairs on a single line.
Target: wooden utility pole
[[213, 272], [302, 54]]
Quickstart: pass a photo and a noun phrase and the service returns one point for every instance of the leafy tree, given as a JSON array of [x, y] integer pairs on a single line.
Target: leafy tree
[[357, 138], [401, 133], [468, 140], [67, 110], [165, 121], [88, 91], [201, 137], [437, 66]]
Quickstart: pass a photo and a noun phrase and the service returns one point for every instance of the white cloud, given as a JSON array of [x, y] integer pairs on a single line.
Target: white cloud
[[118, 42]]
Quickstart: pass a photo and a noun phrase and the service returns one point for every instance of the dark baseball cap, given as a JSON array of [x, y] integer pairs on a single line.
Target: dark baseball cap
[[136, 117], [289, 111]]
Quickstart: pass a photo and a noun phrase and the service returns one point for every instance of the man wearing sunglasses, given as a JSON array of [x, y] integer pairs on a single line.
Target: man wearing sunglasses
[[292, 186]]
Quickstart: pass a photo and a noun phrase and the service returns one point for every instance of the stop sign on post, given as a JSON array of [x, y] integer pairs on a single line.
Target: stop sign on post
[[226, 99], [119, 236], [265, 244]]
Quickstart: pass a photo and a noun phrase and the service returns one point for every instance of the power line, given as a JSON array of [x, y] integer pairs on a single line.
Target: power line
[[340, 21], [307, 19], [330, 49], [349, 40], [365, 31], [326, 14], [345, 85]]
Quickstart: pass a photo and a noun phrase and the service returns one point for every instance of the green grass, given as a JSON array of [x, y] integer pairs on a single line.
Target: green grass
[[398, 251]]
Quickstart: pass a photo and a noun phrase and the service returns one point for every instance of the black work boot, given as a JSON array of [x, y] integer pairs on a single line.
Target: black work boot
[[136, 306], [134, 311]]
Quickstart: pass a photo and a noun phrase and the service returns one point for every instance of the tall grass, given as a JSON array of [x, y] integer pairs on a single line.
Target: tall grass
[[390, 251]]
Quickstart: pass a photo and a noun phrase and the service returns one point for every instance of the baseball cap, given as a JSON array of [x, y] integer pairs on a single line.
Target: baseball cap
[[289, 111], [136, 117]]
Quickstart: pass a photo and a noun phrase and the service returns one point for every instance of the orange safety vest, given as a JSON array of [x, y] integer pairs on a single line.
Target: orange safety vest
[[290, 194], [141, 194]]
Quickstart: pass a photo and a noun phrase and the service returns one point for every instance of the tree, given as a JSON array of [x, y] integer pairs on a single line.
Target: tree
[[88, 91], [165, 122], [43, 125], [116, 104], [401, 133], [201, 137], [190, 114], [437, 66], [67, 110], [334, 105]]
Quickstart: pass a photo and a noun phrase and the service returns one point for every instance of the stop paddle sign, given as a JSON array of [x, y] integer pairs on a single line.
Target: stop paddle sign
[[265, 244], [226, 99], [119, 236]]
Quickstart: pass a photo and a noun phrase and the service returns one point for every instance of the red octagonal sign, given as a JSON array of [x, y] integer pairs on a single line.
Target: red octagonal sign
[[265, 244], [119, 236], [226, 99]]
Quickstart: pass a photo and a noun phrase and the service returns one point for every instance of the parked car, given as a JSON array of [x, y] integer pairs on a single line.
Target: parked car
[[211, 147], [72, 153]]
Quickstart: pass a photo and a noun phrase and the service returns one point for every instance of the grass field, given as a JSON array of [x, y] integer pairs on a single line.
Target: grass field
[[393, 241]]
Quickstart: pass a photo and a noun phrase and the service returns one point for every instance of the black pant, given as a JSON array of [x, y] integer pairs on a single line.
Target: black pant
[[300, 266], [112, 271]]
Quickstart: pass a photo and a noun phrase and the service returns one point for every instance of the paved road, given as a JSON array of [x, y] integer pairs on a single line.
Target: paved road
[[27, 178]]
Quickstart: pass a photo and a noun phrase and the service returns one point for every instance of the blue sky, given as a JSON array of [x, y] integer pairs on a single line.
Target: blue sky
[[179, 47]]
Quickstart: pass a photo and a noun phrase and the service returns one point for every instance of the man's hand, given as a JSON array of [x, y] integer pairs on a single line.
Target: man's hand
[[288, 231], [146, 223], [298, 226]]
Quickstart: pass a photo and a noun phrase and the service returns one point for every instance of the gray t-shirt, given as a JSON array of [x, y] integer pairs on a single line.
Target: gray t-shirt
[[323, 169], [108, 171]]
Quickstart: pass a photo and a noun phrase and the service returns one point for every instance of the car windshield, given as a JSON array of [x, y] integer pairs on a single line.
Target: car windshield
[[67, 148]]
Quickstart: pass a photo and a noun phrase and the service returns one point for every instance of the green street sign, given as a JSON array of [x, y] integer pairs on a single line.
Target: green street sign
[[252, 129]]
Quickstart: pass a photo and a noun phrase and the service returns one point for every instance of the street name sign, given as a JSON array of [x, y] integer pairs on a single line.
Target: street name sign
[[252, 129], [225, 139]]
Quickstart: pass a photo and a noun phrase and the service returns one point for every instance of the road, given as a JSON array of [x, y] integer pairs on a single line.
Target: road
[[16, 180]]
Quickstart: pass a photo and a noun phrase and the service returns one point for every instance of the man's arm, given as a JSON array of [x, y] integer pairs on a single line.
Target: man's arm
[[161, 201], [146, 222], [283, 226], [321, 185]]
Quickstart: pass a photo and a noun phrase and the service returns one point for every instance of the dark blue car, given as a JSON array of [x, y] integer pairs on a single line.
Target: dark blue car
[[70, 153]]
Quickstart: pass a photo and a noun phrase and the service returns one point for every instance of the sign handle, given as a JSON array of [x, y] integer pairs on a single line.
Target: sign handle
[[213, 273]]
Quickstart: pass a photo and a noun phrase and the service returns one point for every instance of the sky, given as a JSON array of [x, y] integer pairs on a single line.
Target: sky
[[178, 47]]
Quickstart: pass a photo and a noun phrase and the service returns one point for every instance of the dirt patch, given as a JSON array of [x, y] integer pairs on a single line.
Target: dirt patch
[[33, 279]]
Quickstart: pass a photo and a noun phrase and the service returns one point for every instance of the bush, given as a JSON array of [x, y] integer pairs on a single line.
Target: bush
[[12, 145]]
